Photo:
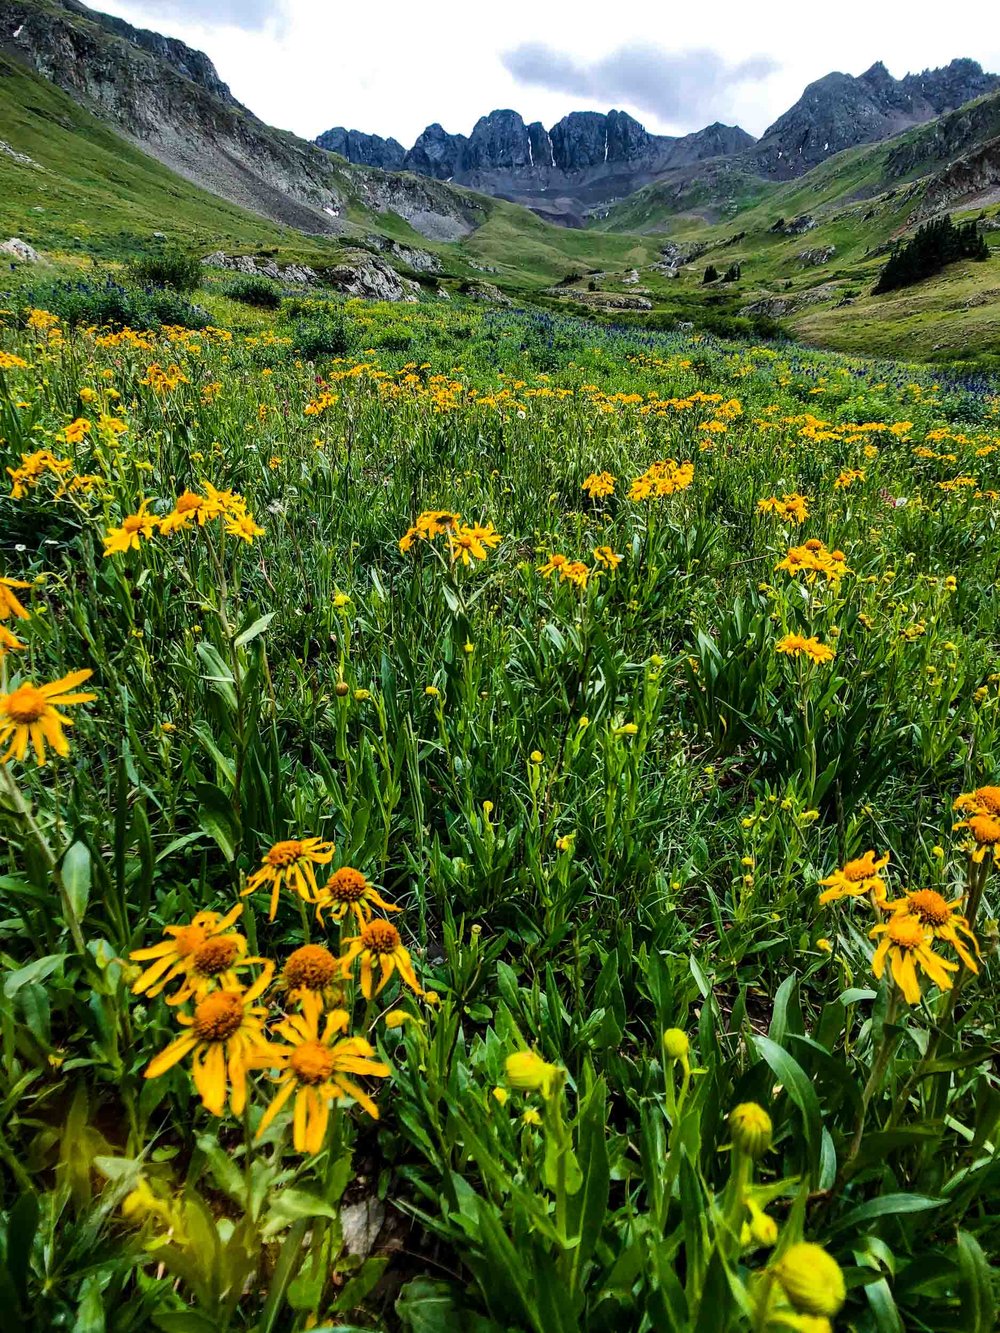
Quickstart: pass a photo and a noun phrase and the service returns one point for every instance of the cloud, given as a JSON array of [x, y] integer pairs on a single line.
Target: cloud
[[685, 88], [250, 15]]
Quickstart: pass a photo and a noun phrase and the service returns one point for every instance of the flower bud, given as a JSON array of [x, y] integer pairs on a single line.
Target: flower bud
[[750, 1127], [811, 1279], [675, 1044]]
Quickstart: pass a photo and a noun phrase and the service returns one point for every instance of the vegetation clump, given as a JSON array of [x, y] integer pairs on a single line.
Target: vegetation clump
[[933, 246]]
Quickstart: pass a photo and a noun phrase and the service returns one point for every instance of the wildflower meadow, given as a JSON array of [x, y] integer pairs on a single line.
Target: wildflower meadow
[[499, 830]]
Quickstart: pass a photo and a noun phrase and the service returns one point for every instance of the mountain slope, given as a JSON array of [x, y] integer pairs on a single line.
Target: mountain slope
[[840, 111], [169, 100]]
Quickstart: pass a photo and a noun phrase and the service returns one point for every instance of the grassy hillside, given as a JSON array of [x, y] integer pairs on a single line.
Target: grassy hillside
[[92, 191], [818, 281]]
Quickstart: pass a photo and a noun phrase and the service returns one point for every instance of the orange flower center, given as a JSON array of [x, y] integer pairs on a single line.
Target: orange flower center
[[380, 937], [188, 939], [929, 906], [217, 954], [860, 869], [989, 797], [312, 1062], [188, 503], [346, 885], [284, 853], [985, 829], [218, 1016], [311, 966], [26, 705], [133, 523], [906, 932]]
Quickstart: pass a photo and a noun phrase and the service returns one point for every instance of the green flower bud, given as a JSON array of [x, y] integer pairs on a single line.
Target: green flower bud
[[750, 1127], [675, 1044]]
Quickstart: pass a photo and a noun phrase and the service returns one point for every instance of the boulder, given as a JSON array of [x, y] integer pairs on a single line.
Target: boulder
[[371, 279], [21, 251], [820, 255]]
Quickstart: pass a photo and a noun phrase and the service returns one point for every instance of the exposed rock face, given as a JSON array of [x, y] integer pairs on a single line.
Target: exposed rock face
[[372, 279], [261, 268], [170, 101], [584, 160], [820, 255], [421, 261], [21, 251], [840, 111], [368, 150], [436, 153]]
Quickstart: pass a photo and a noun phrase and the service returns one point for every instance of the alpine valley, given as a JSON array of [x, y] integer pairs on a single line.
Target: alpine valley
[[112, 133]]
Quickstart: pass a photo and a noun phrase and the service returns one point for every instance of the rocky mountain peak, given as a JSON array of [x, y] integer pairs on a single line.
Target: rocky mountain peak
[[840, 111]]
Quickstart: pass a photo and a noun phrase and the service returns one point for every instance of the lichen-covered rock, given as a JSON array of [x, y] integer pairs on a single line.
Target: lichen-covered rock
[[21, 251], [371, 279], [300, 274]]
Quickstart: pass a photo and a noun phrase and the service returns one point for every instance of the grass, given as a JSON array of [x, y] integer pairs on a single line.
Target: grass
[[445, 605]]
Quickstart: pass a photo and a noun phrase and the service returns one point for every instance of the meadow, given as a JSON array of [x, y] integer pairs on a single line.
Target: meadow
[[500, 829]]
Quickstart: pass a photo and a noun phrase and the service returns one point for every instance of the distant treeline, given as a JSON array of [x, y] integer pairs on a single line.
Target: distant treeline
[[934, 245]]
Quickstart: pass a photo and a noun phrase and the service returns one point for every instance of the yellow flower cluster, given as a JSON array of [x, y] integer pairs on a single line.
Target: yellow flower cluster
[[465, 542], [794, 508], [231, 1030], [814, 560], [662, 478], [796, 645], [912, 924], [190, 508]]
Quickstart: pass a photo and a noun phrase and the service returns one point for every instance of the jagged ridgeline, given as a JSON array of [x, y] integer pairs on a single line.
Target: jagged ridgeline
[[589, 159]]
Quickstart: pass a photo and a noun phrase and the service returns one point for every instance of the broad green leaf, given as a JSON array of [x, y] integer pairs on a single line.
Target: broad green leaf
[[75, 874]]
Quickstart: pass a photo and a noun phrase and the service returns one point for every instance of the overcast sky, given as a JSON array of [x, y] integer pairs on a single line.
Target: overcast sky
[[391, 68]]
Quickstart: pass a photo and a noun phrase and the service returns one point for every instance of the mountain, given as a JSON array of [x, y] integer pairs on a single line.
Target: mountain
[[589, 161], [582, 162], [840, 111], [168, 100]]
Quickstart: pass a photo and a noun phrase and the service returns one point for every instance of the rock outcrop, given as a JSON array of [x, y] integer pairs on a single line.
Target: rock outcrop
[[20, 251], [368, 150], [840, 111]]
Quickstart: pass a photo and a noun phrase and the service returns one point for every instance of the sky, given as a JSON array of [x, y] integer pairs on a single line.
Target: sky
[[392, 68]]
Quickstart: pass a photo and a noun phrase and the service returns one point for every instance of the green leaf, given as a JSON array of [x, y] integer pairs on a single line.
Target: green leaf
[[21, 1228], [426, 1305], [359, 1286], [38, 970], [886, 1203], [589, 1205], [295, 1204], [796, 1083], [90, 1311], [75, 874], [217, 818], [258, 627], [979, 1310]]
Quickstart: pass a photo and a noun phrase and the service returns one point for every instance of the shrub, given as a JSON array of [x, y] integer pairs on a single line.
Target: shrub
[[256, 291], [322, 334], [176, 269], [711, 274], [113, 305]]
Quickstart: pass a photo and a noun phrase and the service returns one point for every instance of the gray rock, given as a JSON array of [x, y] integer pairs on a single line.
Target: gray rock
[[486, 291], [21, 251], [299, 274], [812, 258], [371, 279], [22, 158]]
